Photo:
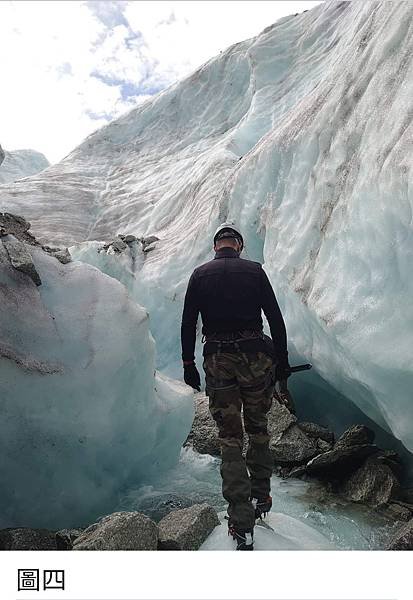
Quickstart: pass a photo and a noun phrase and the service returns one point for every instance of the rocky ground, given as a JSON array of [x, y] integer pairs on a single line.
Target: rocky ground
[[351, 467], [184, 529]]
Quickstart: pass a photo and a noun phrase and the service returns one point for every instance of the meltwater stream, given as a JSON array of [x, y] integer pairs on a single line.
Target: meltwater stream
[[301, 518]]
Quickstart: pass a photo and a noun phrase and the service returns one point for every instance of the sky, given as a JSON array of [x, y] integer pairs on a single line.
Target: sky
[[68, 67]]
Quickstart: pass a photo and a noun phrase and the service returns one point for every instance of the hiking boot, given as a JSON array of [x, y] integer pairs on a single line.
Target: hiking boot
[[262, 506], [244, 539]]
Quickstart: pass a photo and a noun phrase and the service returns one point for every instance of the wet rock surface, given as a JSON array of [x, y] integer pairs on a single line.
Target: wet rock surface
[[188, 528], [403, 538], [317, 432], [373, 483], [65, 538], [24, 538], [119, 531], [356, 435]]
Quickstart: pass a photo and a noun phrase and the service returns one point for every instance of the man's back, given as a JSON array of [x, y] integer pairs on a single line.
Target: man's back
[[230, 293], [228, 290]]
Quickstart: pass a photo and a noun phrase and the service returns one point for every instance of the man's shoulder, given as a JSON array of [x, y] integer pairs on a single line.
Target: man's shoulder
[[214, 265]]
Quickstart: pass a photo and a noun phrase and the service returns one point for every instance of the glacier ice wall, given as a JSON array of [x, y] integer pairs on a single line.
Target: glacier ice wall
[[82, 413], [304, 135], [21, 163]]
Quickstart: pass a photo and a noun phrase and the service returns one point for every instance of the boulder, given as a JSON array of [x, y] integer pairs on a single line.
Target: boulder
[[357, 435], [20, 258], [149, 240], [119, 531], [66, 537], [317, 431], [159, 506], [203, 436], [62, 254], [293, 447], [374, 483], [17, 226], [403, 538], [24, 538], [340, 461], [323, 446], [279, 420], [188, 528], [118, 245], [396, 512], [129, 239]]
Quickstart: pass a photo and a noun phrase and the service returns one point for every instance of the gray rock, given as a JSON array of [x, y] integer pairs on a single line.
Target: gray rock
[[62, 254], [17, 226], [403, 538], [20, 258], [373, 483], [203, 436], [289, 445], [24, 538], [66, 537], [293, 447], [118, 245], [279, 420], [2, 154], [356, 435], [129, 239], [146, 241], [119, 531], [295, 471], [149, 248], [317, 431], [340, 461], [396, 512], [323, 446], [159, 506], [188, 528]]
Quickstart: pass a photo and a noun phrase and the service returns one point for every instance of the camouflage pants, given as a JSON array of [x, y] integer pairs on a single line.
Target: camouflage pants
[[235, 382]]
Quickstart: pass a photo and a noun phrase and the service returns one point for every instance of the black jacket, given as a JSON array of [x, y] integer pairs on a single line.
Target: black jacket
[[230, 292]]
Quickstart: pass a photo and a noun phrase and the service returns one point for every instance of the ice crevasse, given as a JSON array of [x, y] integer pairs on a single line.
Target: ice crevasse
[[304, 136]]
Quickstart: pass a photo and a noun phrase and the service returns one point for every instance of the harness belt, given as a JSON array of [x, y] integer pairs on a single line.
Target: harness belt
[[234, 342]]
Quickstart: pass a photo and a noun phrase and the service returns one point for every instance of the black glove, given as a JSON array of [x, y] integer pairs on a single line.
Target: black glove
[[191, 376], [282, 372]]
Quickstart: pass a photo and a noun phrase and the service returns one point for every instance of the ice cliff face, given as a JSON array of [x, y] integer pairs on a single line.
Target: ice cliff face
[[304, 136], [20, 163], [83, 414]]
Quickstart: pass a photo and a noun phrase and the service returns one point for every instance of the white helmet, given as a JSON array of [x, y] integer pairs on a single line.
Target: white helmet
[[228, 230]]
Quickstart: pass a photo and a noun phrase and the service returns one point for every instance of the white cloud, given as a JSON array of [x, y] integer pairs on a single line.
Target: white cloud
[[68, 67]]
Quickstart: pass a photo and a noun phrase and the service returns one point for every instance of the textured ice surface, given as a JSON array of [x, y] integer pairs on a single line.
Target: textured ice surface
[[82, 413], [21, 163], [301, 516], [304, 134], [288, 534]]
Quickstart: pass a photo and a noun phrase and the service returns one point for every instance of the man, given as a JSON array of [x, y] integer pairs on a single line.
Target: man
[[230, 292]]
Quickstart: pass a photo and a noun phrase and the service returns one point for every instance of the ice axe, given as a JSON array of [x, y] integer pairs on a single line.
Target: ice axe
[[281, 391], [298, 368]]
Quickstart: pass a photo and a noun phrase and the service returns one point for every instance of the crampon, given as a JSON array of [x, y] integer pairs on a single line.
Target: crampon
[[244, 539]]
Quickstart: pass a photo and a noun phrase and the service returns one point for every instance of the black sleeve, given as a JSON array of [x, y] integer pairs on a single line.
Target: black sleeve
[[272, 311], [189, 320]]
